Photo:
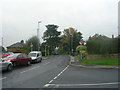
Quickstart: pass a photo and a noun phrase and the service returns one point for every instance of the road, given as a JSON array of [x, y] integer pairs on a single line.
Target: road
[[55, 72]]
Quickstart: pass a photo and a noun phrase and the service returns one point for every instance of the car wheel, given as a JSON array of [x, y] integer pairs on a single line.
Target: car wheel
[[35, 60], [28, 63], [41, 60], [14, 64], [10, 67]]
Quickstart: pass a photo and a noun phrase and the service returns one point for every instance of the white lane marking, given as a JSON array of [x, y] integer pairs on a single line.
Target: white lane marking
[[55, 77], [46, 63], [3, 78], [47, 85], [30, 69], [58, 74], [50, 81]]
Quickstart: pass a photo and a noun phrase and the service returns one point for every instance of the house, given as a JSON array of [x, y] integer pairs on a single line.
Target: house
[[16, 47]]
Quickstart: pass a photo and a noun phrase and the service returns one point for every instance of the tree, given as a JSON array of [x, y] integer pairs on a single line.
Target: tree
[[70, 40], [2, 49], [34, 41], [51, 36]]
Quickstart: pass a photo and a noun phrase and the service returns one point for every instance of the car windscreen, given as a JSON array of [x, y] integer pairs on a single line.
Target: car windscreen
[[12, 56], [32, 54]]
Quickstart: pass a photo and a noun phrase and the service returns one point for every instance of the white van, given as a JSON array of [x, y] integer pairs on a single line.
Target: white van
[[36, 56]]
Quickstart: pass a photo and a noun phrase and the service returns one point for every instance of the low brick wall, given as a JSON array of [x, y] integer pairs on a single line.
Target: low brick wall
[[103, 56]]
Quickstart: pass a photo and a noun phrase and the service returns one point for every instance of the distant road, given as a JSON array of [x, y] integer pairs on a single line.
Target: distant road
[[55, 72]]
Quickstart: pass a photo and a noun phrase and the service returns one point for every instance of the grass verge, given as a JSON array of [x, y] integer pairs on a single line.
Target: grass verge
[[108, 61]]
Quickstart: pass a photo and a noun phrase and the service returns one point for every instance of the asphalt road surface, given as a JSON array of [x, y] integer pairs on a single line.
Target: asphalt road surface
[[55, 72]]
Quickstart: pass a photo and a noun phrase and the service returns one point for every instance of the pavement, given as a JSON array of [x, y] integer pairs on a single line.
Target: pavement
[[75, 62], [44, 58]]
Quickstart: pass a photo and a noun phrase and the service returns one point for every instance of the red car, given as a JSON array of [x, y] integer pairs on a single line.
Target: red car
[[18, 59], [5, 55]]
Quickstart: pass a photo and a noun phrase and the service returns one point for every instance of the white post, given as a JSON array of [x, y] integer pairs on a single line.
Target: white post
[[38, 35]]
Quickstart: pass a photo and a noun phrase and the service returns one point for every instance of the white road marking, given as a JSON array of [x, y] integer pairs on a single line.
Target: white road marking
[[3, 78], [58, 85], [51, 81], [55, 77], [30, 69], [58, 74], [46, 63]]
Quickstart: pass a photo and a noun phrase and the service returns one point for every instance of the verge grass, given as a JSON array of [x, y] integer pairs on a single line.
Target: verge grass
[[108, 61]]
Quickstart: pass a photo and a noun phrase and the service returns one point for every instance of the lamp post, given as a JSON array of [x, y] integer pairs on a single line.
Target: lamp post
[[45, 50], [71, 41], [48, 50], [31, 45], [38, 34]]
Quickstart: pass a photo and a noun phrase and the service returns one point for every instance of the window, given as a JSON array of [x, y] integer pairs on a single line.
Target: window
[[38, 55], [20, 56]]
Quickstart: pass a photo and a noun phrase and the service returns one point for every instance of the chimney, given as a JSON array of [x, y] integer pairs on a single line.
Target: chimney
[[22, 41], [112, 36]]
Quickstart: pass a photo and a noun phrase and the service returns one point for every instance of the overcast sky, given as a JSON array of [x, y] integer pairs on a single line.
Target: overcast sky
[[20, 17]]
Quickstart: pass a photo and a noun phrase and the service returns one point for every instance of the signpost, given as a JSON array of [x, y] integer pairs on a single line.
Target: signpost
[[82, 43], [31, 45]]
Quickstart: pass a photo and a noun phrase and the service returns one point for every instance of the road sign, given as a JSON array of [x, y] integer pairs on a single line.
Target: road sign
[[31, 45], [82, 42]]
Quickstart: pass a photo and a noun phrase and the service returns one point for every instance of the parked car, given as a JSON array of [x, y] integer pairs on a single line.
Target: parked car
[[36, 56], [5, 65], [18, 59], [5, 55]]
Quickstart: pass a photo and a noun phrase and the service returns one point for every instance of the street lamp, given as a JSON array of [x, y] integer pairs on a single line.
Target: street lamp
[[38, 34], [31, 45], [48, 50], [71, 41], [45, 50]]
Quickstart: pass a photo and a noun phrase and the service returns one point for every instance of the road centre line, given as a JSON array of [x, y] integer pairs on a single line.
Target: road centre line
[[30, 69], [51, 81], [58, 85], [3, 78], [55, 77], [58, 74]]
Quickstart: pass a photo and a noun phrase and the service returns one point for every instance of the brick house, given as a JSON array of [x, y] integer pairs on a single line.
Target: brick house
[[16, 47]]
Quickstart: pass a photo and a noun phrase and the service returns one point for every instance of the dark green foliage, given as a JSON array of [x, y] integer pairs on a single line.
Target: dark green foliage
[[100, 44], [70, 40], [106, 61], [51, 36]]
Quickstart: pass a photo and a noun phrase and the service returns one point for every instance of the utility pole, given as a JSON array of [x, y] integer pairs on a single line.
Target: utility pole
[[71, 42], [38, 35], [45, 50]]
